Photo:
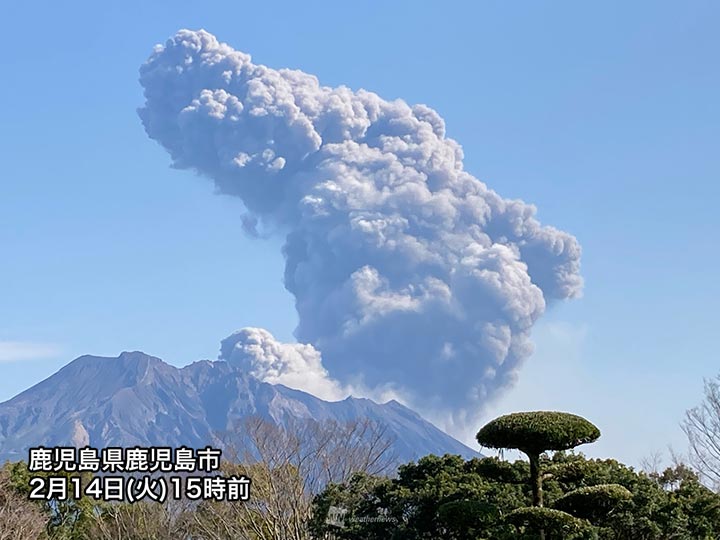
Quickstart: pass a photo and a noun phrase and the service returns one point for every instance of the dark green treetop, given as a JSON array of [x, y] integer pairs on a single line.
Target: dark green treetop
[[593, 503], [538, 431], [555, 523]]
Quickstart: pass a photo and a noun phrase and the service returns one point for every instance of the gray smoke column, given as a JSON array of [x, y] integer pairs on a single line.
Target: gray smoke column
[[407, 271]]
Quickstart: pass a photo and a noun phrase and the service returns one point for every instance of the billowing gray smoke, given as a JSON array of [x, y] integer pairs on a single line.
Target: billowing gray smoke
[[408, 272]]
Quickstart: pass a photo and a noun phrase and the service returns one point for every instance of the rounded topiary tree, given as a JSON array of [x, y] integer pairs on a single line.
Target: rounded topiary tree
[[463, 518], [534, 433], [593, 503], [556, 523]]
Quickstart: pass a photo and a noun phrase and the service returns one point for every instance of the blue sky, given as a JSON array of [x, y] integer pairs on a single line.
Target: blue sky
[[606, 117]]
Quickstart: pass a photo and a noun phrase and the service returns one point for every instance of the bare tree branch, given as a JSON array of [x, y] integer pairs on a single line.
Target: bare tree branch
[[288, 465], [20, 519], [702, 428]]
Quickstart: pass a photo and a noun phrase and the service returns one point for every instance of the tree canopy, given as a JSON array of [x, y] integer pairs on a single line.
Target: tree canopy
[[594, 503], [448, 498], [538, 431], [552, 522]]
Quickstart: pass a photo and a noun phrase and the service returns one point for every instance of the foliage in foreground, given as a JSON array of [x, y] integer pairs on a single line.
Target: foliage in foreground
[[335, 489], [448, 498], [553, 523], [440, 498]]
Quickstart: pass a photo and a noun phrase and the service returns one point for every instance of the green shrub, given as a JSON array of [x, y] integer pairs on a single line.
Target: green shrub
[[555, 523], [593, 503]]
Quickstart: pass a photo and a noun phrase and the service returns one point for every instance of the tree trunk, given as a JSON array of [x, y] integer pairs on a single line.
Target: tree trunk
[[536, 480]]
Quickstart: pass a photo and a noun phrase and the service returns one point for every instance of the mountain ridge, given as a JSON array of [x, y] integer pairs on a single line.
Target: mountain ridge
[[138, 399]]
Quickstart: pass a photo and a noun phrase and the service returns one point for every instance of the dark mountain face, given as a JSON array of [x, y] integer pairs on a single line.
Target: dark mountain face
[[136, 399]]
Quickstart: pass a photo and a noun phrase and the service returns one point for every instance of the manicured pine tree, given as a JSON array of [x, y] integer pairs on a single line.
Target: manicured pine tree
[[534, 433]]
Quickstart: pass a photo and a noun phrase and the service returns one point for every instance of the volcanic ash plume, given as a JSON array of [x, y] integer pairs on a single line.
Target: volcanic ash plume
[[408, 272]]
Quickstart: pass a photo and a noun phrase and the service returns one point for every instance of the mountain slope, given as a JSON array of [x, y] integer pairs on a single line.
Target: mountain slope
[[136, 399]]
